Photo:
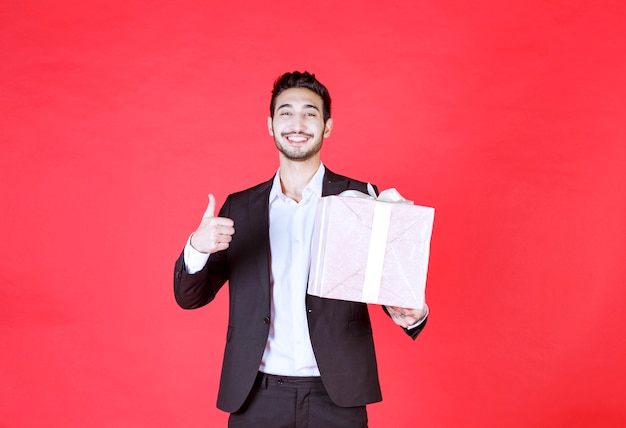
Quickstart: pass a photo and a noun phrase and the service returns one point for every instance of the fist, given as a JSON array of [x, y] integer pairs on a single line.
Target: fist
[[214, 233]]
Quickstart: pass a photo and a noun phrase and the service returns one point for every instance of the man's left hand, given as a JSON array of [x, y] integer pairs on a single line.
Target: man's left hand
[[406, 317]]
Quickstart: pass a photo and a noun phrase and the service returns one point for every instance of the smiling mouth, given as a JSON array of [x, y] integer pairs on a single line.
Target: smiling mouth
[[297, 138]]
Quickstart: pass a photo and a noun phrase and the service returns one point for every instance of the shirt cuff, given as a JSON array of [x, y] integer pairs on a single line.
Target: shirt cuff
[[419, 322], [194, 259]]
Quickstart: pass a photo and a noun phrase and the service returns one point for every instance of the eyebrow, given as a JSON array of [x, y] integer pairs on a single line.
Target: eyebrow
[[291, 106]]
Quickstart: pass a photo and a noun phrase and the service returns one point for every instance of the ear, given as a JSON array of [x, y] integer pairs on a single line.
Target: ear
[[328, 127], [270, 128]]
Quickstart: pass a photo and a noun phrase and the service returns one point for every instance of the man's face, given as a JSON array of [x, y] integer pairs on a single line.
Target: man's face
[[298, 125]]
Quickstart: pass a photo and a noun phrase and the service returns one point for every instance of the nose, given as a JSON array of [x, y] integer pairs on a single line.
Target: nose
[[298, 123]]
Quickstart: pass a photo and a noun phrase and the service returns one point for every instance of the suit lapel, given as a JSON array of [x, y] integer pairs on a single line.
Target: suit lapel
[[258, 215], [334, 183]]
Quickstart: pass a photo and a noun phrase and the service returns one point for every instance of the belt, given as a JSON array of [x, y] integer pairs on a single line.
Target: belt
[[267, 380]]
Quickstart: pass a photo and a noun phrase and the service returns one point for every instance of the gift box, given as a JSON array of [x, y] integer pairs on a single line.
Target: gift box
[[371, 250]]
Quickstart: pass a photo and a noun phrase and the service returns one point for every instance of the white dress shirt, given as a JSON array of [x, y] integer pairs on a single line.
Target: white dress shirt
[[288, 351]]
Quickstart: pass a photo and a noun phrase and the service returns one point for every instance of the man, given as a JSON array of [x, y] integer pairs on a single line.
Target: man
[[291, 359]]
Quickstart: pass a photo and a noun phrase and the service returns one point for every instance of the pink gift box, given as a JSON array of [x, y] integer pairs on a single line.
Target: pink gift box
[[364, 250]]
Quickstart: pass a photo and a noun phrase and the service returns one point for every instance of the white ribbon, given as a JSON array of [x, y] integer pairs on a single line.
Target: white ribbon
[[378, 238]]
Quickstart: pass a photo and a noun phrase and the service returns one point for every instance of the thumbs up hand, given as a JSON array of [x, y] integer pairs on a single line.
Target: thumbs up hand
[[214, 233]]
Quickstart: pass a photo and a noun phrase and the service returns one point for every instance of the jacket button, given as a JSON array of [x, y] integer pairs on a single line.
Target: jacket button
[[266, 320]]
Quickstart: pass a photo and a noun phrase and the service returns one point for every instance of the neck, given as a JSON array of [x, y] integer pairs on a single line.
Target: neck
[[294, 176]]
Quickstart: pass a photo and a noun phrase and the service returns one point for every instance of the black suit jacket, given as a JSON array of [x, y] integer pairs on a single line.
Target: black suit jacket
[[340, 331]]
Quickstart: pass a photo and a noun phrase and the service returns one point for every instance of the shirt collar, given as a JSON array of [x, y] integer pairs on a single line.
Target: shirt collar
[[313, 188]]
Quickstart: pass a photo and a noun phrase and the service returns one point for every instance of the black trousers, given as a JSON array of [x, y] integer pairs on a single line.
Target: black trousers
[[294, 402]]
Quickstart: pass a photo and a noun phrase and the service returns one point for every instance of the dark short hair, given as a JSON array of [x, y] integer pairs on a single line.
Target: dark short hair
[[301, 80]]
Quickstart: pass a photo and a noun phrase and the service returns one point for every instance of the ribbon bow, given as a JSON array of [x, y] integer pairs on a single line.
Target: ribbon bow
[[389, 195]]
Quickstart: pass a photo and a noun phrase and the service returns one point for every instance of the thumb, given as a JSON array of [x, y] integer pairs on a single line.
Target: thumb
[[210, 211]]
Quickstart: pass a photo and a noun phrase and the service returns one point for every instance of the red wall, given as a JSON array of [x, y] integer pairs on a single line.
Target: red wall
[[117, 118]]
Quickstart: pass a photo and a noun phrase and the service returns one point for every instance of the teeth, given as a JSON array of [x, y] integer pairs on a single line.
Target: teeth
[[297, 139]]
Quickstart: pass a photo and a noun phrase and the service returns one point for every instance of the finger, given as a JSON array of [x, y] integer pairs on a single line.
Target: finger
[[218, 230], [224, 239], [395, 311], [402, 322], [210, 211], [224, 223]]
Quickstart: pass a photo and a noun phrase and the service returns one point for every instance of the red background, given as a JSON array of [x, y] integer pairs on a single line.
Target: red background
[[117, 118]]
